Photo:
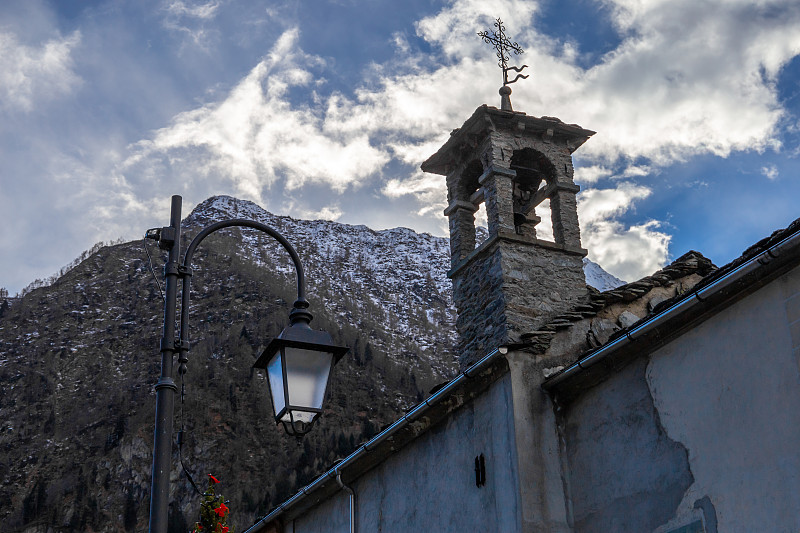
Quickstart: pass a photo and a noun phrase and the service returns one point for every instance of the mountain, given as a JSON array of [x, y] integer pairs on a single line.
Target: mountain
[[80, 358], [599, 278]]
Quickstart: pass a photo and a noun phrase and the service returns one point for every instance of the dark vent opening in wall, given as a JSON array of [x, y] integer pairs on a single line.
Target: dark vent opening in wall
[[480, 471]]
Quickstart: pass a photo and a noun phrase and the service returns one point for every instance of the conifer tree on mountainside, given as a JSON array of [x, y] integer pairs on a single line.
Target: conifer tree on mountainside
[[79, 358]]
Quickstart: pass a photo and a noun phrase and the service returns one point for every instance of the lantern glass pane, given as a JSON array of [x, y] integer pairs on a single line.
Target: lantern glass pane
[[275, 374], [307, 376]]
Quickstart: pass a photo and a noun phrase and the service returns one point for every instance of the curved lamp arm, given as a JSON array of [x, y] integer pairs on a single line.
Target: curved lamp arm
[[298, 337], [299, 312]]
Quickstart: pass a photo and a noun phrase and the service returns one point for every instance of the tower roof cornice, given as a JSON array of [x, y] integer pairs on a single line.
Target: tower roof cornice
[[487, 119]]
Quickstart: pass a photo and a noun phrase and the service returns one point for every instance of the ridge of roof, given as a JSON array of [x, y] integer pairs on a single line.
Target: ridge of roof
[[761, 254], [718, 272], [691, 262], [752, 251]]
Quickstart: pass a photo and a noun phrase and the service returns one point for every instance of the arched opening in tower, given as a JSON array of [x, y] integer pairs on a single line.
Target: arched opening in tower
[[534, 173]]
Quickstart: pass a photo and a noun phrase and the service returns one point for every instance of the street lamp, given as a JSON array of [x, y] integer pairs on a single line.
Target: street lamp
[[298, 361]]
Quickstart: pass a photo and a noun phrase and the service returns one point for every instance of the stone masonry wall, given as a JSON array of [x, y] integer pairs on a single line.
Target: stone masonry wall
[[481, 321], [510, 288], [538, 283]]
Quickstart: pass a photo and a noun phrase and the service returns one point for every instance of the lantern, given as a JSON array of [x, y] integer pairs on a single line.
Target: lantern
[[298, 363]]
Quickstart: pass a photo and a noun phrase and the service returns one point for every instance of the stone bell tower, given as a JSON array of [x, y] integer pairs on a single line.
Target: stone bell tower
[[513, 282]]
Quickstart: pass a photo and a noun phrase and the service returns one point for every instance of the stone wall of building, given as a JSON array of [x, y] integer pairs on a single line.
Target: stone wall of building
[[511, 287]]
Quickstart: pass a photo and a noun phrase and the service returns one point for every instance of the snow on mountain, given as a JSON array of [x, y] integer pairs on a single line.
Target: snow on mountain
[[358, 272], [599, 278], [383, 266]]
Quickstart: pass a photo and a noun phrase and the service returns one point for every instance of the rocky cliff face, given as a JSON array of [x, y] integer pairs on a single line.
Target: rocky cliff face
[[79, 358]]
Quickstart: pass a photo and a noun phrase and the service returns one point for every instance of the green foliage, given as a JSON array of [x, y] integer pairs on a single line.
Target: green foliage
[[213, 511]]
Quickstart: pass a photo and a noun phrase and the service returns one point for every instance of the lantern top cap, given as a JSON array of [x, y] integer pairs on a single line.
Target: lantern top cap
[[301, 336]]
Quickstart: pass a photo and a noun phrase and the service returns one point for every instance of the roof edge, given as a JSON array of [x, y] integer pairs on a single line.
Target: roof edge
[[414, 414], [722, 288]]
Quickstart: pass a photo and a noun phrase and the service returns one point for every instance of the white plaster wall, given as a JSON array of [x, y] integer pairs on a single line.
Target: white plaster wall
[[729, 391], [430, 484]]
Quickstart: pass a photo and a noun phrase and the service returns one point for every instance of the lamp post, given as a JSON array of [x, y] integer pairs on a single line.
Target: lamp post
[[298, 361]]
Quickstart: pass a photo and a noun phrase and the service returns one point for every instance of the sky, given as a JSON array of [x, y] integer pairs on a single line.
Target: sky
[[325, 109]]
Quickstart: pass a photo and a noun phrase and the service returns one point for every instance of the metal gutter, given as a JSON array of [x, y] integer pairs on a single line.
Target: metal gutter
[[412, 415], [691, 300]]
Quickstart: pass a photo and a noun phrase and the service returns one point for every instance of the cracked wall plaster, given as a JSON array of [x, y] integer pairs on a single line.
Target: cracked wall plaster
[[729, 390]]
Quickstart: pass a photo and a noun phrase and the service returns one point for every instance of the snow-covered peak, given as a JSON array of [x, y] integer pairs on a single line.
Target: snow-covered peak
[[402, 266], [224, 207], [599, 278]]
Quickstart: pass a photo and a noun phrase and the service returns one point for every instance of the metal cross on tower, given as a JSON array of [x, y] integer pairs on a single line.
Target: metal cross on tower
[[503, 46]]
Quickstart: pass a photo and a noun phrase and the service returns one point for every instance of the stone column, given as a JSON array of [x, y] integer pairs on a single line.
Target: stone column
[[498, 187], [461, 215], [564, 209]]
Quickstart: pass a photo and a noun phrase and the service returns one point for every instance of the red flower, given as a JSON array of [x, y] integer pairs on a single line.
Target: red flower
[[225, 529], [215, 480], [221, 510]]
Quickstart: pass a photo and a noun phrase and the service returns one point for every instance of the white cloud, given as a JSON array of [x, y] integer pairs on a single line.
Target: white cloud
[[427, 188], [200, 11], [31, 75], [400, 42], [254, 137], [687, 79], [600, 204], [544, 230], [328, 212], [191, 20], [591, 174], [664, 94], [770, 172], [634, 171], [454, 28], [628, 252]]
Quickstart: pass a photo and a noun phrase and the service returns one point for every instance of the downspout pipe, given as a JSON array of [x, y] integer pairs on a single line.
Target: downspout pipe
[[352, 499], [691, 300]]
